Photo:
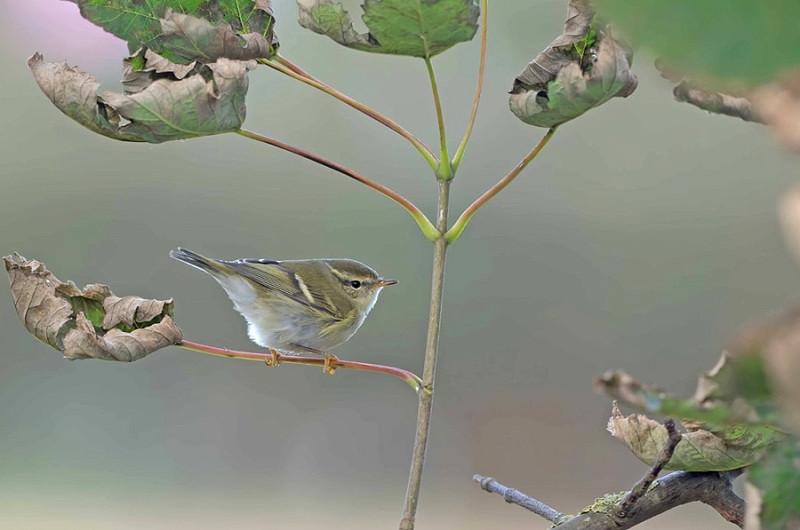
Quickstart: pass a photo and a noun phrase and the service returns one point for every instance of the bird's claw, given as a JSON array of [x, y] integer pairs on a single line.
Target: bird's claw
[[327, 367], [274, 359]]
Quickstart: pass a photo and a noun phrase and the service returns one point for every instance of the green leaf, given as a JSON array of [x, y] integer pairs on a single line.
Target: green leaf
[[417, 28], [92, 309], [777, 476], [210, 101], [742, 40], [134, 21], [582, 68], [158, 24], [585, 43]]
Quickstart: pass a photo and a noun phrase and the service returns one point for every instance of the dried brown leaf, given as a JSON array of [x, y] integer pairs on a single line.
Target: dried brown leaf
[[43, 313], [556, 56], [700, 449], [84, 342], [584, 67], [88, 323], [197, 39], [210, 101]]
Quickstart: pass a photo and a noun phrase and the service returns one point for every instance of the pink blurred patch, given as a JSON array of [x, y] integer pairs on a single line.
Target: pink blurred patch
[[57, 30]]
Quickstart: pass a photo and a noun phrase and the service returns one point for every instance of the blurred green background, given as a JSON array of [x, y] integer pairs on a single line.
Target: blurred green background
[[640, 239]]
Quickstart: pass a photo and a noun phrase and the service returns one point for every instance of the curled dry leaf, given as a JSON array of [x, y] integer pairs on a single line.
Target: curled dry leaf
[[91, 323], [418, 28], [141, 69], [584, 67], [700, 449], [197, 39], [210, 101], [154, 62]]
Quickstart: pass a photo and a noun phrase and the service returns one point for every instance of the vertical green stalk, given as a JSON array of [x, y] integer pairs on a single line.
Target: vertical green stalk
[[445, 169], [429, 369]]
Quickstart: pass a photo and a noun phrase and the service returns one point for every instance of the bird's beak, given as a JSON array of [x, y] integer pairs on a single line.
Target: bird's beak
[[384, 283]]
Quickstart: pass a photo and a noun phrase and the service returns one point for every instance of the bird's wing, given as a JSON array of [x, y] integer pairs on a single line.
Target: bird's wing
[[272, 275]]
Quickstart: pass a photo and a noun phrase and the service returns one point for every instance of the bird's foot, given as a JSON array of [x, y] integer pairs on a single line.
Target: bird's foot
[[328, 368], [274, 359]]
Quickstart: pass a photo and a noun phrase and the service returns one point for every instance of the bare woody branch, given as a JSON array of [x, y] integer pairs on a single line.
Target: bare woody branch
[[647, 498], [671, 491], [512, 496]]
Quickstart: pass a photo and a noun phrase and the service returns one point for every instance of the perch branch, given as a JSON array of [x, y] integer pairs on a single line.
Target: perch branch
[[333, 364], [675, 489], [423, 222]]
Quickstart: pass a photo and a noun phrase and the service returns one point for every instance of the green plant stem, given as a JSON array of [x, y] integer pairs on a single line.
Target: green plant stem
[[445, 170], [423, 222], [286, 67], [429, 369], [409, 378], [481, 69], [458, 227]]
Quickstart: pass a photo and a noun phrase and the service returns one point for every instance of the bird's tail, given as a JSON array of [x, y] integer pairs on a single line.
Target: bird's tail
[[203, 263]]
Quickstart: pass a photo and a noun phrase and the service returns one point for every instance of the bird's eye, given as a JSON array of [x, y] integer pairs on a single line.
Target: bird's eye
[[356, 284]]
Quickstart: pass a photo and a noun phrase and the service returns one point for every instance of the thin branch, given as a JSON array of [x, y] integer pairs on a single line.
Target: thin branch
[[513, 496], [481, 69], [670, 491], [286, 67], [445, 170], [296, 69], [332, 364], [641, 487], [424, 223], [461, 223], [429, 370]]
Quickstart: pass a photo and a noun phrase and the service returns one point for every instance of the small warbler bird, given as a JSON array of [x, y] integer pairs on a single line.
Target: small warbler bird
[[295, 306]]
